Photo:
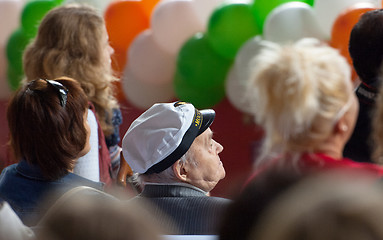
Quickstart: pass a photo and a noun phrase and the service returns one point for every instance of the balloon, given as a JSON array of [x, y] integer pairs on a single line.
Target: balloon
[[328, 10], [99, 4], [202, 96], [229, 27], [124, 20], [174, 22], [10, 11], [15, 48], [143, 95], [236, 91], [236, 82], [33, 13], [204, 9], [291, 22], [14, 77], [199, 65], [149, 62], [341, 30], [148, 6], [262, 8]]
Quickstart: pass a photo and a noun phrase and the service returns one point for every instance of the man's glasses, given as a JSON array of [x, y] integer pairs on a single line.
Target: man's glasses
[[61, 91]]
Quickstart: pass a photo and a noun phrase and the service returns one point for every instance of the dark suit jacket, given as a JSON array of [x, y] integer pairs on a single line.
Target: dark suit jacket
[[188, 208]]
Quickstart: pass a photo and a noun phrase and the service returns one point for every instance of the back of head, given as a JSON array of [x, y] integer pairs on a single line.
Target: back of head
[[67, 36], [70, 42], [365, 46], [97, 218], [246, 209], [43, 130], [332, 206], [296, 92]]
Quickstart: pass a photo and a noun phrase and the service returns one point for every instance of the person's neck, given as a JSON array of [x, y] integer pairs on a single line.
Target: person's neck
[[332, 148], [72, 168]]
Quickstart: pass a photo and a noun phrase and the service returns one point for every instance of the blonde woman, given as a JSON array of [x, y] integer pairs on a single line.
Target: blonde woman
[[72, 40], [301, 94]]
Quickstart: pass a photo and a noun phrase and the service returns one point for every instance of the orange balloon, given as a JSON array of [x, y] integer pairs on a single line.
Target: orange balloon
[[148, 6], [341, 29], [124, 20]]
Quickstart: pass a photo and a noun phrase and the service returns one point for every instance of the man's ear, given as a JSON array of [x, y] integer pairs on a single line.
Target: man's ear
[[180, 171]]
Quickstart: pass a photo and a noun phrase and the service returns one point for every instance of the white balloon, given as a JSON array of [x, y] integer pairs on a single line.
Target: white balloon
[[292, 21], [10, 11], [143, 95], [101, 5], [328, 10], [149, 62], [238, 77], [173, 22], [204, 9], [246, 53]]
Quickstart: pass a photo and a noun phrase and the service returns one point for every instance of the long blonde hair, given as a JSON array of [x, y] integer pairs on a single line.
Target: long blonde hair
[[296, 92], [69, 43]]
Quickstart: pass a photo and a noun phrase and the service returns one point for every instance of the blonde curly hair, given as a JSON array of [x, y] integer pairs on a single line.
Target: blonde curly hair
[[70, 43], [296, 92]]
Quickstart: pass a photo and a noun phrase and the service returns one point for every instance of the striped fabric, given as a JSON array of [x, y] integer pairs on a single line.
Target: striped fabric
[[188, 208]]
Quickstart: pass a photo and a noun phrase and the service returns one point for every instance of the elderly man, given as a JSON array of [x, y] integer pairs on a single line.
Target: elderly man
[[172, 148]]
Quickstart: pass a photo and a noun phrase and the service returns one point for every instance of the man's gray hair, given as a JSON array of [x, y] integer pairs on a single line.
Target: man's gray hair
[[167, 176]]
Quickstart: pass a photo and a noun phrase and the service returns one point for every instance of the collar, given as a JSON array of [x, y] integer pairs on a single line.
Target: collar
[[30, 170], [34, 172], [172, 190]]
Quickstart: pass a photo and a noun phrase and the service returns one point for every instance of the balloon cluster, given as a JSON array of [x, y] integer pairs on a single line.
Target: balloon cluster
[[199, 50]]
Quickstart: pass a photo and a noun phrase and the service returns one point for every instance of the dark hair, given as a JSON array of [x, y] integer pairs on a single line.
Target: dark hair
[[365, 45], [247, 208], [45, 133]]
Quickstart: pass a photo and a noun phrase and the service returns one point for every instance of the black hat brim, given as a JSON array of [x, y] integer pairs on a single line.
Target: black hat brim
[[208, 117]]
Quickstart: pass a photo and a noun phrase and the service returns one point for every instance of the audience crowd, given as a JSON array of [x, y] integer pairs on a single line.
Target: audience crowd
[[318, 174]]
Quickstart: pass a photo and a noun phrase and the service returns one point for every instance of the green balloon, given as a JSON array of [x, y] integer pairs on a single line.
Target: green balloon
[[33, 13], [200, 65], [15, 48], [201, 97], [14, 77], [59, 2], [262, 8], [230, 26]]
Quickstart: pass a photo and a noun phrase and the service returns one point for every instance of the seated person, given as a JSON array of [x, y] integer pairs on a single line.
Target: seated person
[[333, 205], [84, 216], [11, 227], [302, 96], [246, 208], [49, 131], [172, 148]]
